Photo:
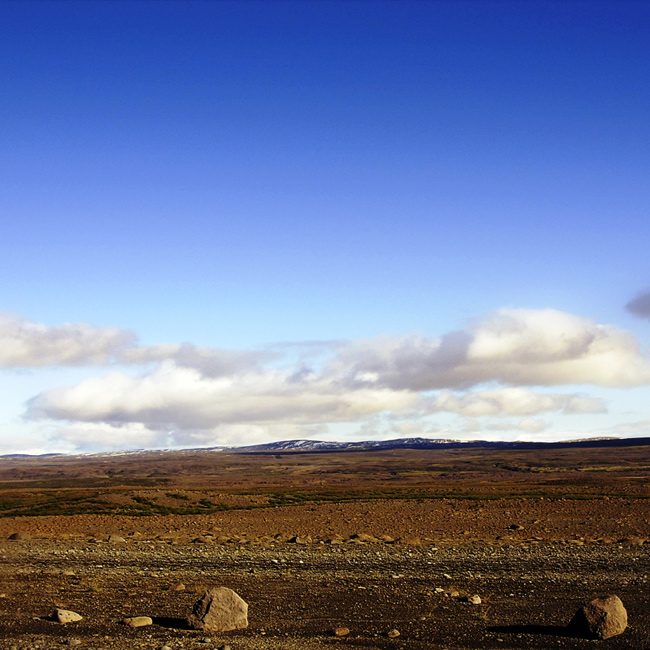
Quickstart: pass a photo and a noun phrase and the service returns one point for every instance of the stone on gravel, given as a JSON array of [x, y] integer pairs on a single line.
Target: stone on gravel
[[116, 539], [20, 537], [474, 600], [393, 634], [66, 616], [138, 621], [364, 537], [600, 619], [341, 631], [179, 586], [219, 610]]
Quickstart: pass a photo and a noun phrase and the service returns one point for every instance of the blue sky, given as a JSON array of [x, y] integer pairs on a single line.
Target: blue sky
[[231, 222]]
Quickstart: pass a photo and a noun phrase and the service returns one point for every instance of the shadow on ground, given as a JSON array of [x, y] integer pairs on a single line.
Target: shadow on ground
[[548, 630], [171, 622]]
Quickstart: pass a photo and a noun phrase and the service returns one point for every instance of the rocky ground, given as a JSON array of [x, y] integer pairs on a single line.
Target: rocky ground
[[372, 566]]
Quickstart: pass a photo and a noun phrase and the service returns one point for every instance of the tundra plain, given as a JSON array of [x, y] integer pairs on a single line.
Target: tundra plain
[[373, 541]]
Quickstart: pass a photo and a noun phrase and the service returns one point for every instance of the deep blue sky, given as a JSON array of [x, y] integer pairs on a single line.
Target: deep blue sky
[[234, 174]]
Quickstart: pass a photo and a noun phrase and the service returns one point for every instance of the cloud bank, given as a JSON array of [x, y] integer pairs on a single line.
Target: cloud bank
[[497, 367]]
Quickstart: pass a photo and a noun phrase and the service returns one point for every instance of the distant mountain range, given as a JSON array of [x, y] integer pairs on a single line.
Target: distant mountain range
[[323, 446], [429, 443]]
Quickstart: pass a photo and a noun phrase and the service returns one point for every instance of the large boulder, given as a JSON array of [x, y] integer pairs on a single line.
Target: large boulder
[[219, 610], [600, 619]]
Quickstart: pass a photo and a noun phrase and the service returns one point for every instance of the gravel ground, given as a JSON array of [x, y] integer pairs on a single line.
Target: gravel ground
[[298, 593]]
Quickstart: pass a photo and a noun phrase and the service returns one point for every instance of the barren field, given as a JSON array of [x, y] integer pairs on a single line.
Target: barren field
[[371, 541]]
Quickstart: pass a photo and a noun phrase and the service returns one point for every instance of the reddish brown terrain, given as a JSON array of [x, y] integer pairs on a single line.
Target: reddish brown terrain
[[372, 541]]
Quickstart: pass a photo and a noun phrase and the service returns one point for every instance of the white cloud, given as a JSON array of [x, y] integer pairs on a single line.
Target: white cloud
[[27, 345], [200, 396], [24, 344], [532, 425], [210, 362], [512, 347], [93, 436], [512, 401], [181, 397]]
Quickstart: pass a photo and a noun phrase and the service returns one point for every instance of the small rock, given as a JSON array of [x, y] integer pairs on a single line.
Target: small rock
[[116, 539], [137, 621], [179, 586], [219, 610], [393, 634], [20, 537], [74, 642], [225, 647], [515, 527], [205, 639], [64, 616], [341, 631], [474, 600], [364, 537], [600, 619]]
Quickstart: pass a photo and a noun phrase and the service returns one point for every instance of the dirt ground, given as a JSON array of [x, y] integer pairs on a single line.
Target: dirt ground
[[370, 564]]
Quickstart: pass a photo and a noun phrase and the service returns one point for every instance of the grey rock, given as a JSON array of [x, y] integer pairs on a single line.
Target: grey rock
[[219, 610]]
